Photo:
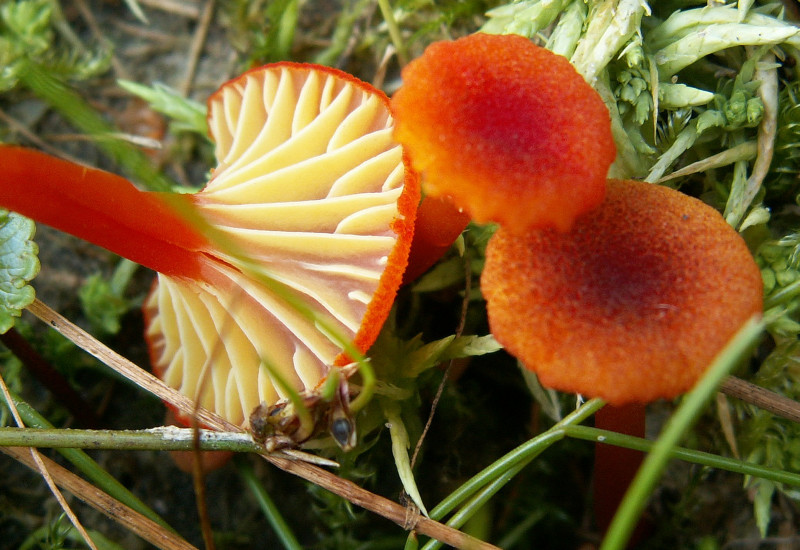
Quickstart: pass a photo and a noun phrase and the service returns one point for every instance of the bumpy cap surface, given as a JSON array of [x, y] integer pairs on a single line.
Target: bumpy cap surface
[[509, 130], [312, 188], [633, 304]]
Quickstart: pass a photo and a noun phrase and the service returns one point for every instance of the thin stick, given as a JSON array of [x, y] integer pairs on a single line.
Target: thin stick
[[378, 504], [18, 126], [459, 330], [196, 47], [331, 482], [126, 368], [763, 398], [132, 520], [175, 7]]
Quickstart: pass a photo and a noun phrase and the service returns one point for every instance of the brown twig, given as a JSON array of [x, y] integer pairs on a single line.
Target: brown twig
[[18, 126], [761, 397], [97, 499], [175, 7], [196, 48], [331, 482]]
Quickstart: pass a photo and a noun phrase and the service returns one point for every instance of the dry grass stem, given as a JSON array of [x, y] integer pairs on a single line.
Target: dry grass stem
[[18, 126], [198, 40], [132, 520], [183, 8], [37, 462], [763, 398]]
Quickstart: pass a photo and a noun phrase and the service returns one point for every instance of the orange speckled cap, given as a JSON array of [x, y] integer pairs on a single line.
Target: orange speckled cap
[[630, 306], [510, 131]]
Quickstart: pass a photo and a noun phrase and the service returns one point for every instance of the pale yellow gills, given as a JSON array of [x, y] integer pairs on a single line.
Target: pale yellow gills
[[311, 186]]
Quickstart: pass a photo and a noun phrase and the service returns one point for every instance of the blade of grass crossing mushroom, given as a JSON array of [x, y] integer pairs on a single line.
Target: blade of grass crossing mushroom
[[632, 505], [288, 463]]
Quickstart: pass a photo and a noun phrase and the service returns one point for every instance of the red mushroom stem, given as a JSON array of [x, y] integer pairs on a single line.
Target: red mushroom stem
[[438, 225], [615, 467], [104, 209]]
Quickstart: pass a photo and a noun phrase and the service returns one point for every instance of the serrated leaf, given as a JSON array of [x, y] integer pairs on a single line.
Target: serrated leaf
[[187, 114], [18, 266]]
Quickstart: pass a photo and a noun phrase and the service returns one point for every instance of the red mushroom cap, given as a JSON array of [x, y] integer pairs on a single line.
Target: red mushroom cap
[[509, 130], [632, 305]]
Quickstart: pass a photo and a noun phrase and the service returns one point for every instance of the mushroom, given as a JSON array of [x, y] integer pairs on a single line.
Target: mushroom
[[632, 304], [438, 225], [488, 117], [310, 187]]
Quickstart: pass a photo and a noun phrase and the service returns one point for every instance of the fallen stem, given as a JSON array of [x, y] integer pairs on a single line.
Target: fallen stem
[[88, 467]]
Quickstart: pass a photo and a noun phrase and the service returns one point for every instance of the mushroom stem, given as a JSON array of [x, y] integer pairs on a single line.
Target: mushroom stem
[[104, 209], [615, 467], [438, 224]]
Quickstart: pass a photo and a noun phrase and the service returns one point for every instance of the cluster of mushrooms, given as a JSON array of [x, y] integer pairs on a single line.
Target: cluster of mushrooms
[[293, 252], [614, 289]]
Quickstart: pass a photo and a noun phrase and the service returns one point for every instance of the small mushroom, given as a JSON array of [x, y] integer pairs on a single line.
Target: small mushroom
[[438, 225], [311, 188], [488, 117], [632, 304]]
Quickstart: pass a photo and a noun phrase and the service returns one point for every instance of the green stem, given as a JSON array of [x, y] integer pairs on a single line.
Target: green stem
[[157, 439], [689, 455], [486, 483], [634, 502], [271, 512], [783, 295], [394, 31]]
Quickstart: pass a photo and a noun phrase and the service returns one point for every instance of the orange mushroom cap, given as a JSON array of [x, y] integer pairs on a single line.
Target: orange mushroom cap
[[632, 305], [312, 187], [509, 130]]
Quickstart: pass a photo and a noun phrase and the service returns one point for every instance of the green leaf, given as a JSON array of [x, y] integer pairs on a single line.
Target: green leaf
[[102, 305], [188, 115], [18, 266], [400, 446], [29, 23], [762, 505]]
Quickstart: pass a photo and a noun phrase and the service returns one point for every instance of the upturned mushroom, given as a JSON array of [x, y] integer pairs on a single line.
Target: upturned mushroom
[[488, 117], [311, 189]]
